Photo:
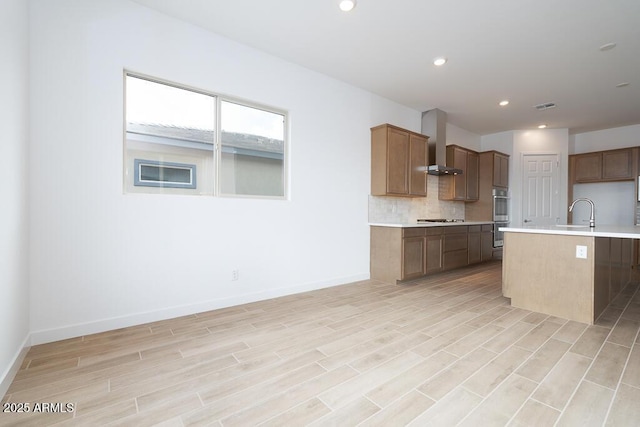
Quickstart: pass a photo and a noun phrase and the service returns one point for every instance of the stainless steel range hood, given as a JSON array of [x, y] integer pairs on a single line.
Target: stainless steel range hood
[[434, 125]]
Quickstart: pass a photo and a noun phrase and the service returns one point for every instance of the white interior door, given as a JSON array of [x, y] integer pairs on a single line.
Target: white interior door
[[540, 197]]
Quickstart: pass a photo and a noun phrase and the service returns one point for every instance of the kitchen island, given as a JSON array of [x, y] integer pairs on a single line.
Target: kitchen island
[[572, 272]]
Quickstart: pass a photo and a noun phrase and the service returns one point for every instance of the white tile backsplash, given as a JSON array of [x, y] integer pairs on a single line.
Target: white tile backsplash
[[409, 209]]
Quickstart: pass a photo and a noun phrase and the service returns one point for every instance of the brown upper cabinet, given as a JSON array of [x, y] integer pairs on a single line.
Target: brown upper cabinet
[[399, 160], [500, 169], [494, 169], [600, 166], [617, 164], [462, 187]]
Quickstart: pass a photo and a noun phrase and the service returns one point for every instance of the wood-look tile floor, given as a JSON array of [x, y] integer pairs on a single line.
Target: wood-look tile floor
[[446, 350]]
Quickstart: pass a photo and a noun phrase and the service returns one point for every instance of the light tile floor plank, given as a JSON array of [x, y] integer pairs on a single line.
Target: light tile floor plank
[[588, 407]]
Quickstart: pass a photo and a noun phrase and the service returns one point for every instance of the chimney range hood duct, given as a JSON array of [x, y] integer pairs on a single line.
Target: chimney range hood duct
[[434, 125]]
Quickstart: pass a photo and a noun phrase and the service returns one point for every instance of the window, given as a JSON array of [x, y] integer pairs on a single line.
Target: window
[[184, 141], [150, 173]]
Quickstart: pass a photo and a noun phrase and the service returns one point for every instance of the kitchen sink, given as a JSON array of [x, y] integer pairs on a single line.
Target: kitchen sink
[[572, 225]]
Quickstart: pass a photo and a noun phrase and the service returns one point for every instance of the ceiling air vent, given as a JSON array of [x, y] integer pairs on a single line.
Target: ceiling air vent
[[545, 106]]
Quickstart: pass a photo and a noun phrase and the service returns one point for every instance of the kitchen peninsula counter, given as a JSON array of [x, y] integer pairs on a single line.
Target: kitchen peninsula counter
[[569, 272]]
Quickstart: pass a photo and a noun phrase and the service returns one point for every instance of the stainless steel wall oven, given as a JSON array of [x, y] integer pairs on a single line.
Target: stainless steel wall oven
[[500, 215]]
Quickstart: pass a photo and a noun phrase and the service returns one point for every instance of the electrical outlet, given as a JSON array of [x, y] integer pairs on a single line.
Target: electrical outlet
[[235, 275], [581, 251]]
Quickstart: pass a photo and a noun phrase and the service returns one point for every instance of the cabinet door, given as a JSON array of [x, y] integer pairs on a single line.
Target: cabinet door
[[617, 165], [473, 183], [413, 257], [500, 171], [504, 171], [460, 181], [397, 162], [433, 254], [588, 167], [417, 163], [475, 251]]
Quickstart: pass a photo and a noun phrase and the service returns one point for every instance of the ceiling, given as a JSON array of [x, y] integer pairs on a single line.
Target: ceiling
[[527, 51]]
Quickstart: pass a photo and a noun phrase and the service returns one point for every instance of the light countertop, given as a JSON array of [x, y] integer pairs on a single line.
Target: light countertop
[[622, 231], [427, 224]]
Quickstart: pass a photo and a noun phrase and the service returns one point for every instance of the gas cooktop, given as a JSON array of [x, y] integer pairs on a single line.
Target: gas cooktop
[[439, 220]]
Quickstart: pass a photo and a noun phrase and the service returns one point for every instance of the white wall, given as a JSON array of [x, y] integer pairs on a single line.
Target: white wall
[[614, 202], [502, 142], [101, 259], [463, 138], [607, 139], [14, 287]]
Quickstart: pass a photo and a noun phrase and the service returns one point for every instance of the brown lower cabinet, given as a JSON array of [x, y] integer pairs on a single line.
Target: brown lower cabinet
[[399, 254]]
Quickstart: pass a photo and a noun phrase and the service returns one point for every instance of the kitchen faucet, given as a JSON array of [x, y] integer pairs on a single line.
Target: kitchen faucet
[[592, 219]]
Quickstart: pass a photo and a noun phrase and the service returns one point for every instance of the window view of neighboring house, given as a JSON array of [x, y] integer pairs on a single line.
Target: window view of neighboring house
[[171, 143], [252, 151]]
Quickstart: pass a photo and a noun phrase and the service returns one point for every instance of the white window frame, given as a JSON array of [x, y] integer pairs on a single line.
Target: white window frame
[[217, 144]]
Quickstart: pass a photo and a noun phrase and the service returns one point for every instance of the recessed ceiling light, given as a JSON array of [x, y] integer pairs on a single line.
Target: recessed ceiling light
[[347, 5], [503, 103], [607, 46], [439, 61], [542, 126], [623, 84]]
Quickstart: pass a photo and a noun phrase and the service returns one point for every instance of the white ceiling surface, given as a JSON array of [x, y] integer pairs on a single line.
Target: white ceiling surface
[[527, 51]]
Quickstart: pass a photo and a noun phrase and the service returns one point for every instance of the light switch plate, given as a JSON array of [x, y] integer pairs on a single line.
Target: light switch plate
[[581, 251]]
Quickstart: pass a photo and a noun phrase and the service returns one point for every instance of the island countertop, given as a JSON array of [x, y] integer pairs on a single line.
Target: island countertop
[[427, 224], [621, 231]]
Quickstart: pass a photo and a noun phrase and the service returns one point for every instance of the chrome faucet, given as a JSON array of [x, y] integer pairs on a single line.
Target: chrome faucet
[[592, 219]]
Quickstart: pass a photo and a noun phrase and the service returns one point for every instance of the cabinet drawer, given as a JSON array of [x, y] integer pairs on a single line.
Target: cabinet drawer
[[474, 228], [413, 232], [434, 231], [487, 227], [455, 242], [455, 229]]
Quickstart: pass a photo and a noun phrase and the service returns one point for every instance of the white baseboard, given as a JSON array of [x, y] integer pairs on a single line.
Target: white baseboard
[[77, 330], [9, 374]]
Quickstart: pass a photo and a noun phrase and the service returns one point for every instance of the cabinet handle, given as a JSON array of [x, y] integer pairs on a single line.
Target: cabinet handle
[[528, 220]]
